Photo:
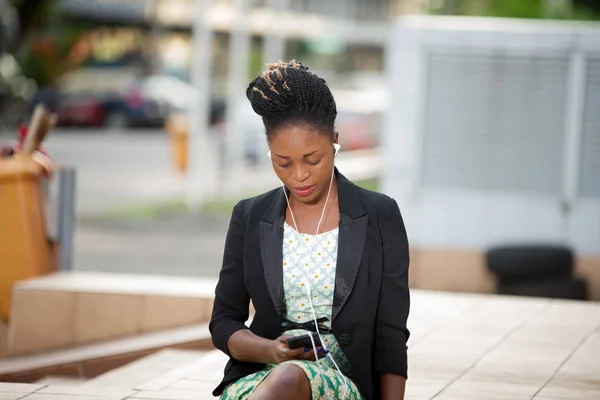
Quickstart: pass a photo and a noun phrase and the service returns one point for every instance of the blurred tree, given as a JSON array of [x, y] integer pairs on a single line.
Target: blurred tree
[[33, 15], [592, 5], [44, 42], [556, 9]]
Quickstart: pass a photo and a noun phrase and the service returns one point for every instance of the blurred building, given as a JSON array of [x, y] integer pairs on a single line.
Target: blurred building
[[332, 36], [493, 138]]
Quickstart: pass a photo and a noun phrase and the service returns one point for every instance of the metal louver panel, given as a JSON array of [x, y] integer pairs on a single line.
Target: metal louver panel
[[589, 184], [494, 122]]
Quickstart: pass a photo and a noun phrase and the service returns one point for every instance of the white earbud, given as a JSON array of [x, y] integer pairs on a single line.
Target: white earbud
[[336, 148]]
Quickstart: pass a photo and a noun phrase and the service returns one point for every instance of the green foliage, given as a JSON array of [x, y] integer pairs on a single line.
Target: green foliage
[[534, 9], [516, 8], [45, 40]]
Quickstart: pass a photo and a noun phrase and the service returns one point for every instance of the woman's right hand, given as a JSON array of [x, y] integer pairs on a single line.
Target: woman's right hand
[[280, 351]]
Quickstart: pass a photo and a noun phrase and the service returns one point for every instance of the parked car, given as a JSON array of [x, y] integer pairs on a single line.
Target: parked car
[[103, 97]]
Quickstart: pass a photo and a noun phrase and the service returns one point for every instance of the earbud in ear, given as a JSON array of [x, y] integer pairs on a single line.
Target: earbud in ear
[[336, 147], [269, 153]]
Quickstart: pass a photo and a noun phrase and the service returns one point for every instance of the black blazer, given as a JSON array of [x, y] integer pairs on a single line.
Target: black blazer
[[371, 298]]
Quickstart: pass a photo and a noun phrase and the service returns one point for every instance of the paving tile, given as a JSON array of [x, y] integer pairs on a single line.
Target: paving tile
[[533, 371], [60, 380], [448, 374], [194, 385], [209, 369], [9, 396], [105, 393], [584, 364], [543, 336], [570, 391], [19, 387], [425, 387], [37, 396], [157, 384], [486, 390], [171, 394], [146, 369], [571, 313]]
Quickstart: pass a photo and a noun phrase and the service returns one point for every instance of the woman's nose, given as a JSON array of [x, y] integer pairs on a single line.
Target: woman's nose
[[300, 173]]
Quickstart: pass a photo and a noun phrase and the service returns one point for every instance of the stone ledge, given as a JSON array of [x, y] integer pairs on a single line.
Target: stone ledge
[[63, 310]]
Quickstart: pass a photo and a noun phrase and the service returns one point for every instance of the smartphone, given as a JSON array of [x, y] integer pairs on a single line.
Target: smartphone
[[303, 341]]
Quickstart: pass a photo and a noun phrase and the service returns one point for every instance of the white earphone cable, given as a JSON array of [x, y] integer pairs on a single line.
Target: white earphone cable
[[308, 289]]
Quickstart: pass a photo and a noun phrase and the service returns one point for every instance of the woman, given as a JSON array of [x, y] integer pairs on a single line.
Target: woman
[[319, 255]]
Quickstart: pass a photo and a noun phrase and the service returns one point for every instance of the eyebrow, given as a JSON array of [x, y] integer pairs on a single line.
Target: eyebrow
[[287, 157]]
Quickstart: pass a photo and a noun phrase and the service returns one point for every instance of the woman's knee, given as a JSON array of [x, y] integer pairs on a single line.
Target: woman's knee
[[286, 380], [291, 376]]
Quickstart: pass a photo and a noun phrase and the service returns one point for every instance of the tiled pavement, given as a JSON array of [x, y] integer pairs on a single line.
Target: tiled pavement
[[463, 347]]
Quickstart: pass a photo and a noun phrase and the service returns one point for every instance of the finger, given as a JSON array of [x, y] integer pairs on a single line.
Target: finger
[[283, 339], [286, 353], [309, 354], [294, 354]]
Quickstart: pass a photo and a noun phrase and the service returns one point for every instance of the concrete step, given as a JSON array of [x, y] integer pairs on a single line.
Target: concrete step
[[63, 310], [54, 380], [146, 369], [90, 361]]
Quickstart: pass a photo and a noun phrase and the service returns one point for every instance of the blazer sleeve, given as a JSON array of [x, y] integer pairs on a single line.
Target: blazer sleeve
[[232, 301], [391, 333]]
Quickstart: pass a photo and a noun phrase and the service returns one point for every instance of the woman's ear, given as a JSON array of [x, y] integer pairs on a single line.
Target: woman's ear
[[336, 145]]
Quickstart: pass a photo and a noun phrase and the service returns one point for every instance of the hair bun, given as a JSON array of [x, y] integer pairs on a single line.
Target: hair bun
[[270, 93], [288, 90]]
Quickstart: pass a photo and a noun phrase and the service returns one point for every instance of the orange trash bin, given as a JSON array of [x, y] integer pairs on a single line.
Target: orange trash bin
[[25, 250]]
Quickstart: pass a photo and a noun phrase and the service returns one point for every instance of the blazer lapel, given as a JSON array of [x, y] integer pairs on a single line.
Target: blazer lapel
[[351, 244], [271, 242], [351, 241]]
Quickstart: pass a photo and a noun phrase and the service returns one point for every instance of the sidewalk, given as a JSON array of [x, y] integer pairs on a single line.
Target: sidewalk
[[462, 347]]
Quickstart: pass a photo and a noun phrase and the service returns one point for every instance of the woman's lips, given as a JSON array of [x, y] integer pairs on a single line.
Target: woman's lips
[[304, 191]]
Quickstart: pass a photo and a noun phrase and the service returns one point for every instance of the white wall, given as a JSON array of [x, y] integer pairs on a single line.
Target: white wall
[[450, 216]]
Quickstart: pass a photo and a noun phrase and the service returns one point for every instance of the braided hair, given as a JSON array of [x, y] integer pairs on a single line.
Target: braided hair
[[287, 94]]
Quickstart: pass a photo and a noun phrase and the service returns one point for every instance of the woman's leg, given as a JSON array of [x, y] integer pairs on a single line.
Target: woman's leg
[[287, 381]]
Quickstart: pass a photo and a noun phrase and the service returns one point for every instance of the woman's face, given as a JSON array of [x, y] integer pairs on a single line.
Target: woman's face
[[303, 159]]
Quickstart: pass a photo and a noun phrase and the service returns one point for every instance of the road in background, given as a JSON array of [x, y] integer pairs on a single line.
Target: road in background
[[182, 245], [115, 168]]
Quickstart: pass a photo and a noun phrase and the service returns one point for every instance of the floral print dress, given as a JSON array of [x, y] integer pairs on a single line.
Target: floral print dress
[[308, 259]]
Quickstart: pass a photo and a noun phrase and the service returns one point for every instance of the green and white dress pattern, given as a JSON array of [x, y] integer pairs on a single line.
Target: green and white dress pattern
[[319, 268]]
